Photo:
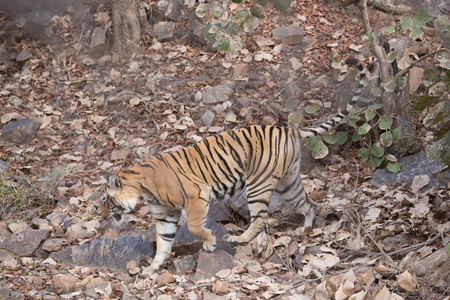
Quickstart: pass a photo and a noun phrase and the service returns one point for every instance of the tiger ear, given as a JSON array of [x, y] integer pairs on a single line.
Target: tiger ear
[[113, 182]]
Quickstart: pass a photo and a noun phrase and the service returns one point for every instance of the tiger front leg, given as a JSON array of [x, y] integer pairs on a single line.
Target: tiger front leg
[[166, 227], [197, 211]]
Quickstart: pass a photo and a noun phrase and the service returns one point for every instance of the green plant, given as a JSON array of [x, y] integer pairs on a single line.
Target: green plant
[[225, 19], [436, 107]]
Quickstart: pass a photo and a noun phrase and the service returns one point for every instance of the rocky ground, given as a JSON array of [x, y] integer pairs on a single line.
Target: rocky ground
[[69, 116]]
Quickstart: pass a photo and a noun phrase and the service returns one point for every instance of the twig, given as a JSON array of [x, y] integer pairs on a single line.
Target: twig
[[373, 241], [419, 60], [357, 174]]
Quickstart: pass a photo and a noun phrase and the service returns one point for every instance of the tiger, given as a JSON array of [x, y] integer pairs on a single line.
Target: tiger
[[257, 160]]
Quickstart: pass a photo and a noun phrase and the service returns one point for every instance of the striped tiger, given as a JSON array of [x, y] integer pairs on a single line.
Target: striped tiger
[[257, 160]]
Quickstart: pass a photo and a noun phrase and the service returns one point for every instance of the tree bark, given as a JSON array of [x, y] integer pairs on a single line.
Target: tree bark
[[127, 29]]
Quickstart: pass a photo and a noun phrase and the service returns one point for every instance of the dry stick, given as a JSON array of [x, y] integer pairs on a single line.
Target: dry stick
[[371, 238], [419, 60]]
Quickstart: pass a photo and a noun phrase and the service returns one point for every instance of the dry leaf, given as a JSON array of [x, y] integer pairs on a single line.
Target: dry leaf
[[407, 281], [346, 289], [419, 182], [384, 294]]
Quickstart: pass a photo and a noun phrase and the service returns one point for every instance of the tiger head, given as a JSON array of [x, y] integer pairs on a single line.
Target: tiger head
[[117, 198]]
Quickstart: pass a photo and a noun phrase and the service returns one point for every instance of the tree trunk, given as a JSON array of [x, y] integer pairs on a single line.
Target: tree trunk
[[127, 29]]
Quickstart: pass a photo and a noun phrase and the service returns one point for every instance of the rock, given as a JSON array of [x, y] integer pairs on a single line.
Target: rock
[[96, 284], [174, 10], [292, 90], [18, 227], [63, 283], [243, 102], [9, 262], [35, 23], [186, 243], [208, 118], [321, 81], [15, 101], [106, 253], [6, 293], [163, 31], [98, 38], [3, 166], [197, 31], [412, 166], [240, 70], [220, 93], [288, 35], [58, 218], [5, 56], [24, 243], [22, 131], [209, 263], [52, 245], [184, 265], [268, 120], [24, 55], [219, 212]]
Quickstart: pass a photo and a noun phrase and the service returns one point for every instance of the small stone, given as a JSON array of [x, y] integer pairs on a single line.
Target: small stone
[[240, 70], [321, 81], [268, 120], [288, 35], [208, 118], [292, 90], [96, 284], [98, 39], [243, 101], [220, 93], [52, 245], [9, 262], [24, 243], [164, 31], [63, 283], [165, 278], [24, 55], [18, 227], [184, 265], [209, 263], [21, 132]]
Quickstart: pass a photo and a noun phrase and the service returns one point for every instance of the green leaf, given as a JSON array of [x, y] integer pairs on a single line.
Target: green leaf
[[311, 108], [393, 167], [371, 36], [262, 2], [423, 102], [291, 104], [281, 5], [390, 85], [405, 23], [377, 149], [353, 119], [319, 150], [377, 161], [421, 17], [342, 137], [431, 74], [237, 1], [295, 117], [224, 44], [370, 114], [232, 28], [386, 139], [364, 153], [365, 128], [243, 17], [390, 29], [385, 121], [256, 11], [391, 56], [391, 158], [396, 133], [355, 137], [311, 142], [416, 32], [331, 138], [375, 106]]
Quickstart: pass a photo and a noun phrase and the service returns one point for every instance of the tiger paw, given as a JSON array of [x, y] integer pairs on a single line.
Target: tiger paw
[[210, 247], [234, 239]]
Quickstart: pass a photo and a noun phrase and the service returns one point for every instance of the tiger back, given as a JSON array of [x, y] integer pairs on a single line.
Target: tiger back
[[258, 160]]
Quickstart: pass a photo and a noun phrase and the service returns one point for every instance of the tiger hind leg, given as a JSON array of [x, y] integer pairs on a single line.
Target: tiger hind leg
[[166, 219], [258, 198], [291, 190]]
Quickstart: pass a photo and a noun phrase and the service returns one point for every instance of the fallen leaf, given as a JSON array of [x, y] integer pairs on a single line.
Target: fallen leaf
[[407, 281]]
